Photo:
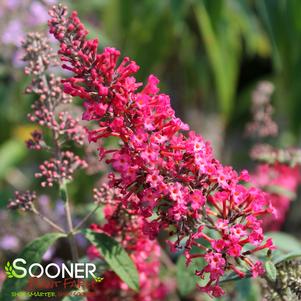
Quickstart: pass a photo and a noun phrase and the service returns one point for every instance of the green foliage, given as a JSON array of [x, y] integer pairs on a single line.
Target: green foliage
[[247, 290], [282, 23], [271, 271], [186, 279], [116, 257], [32, 253], [223, 51], [284, 242], [287, 256], [288, 247], [11, 153]]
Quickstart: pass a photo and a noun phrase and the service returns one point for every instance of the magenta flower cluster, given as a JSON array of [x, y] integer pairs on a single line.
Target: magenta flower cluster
[[145, 253], [167, 174], [284, 177]]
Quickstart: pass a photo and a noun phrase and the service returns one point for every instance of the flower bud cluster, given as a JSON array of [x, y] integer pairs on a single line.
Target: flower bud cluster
[[51, 111], [23, 201], [55, 170], [262, 110]]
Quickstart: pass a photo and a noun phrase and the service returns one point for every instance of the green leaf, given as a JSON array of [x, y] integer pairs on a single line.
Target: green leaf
[[247, 290], [284, 242], [271, 270], [116, 257], [223, 52], [32, 253], [285, 257], [186, 279]]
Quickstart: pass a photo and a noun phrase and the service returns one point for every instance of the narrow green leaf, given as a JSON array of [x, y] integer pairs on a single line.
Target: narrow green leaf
[[271, 271], [116, 257], [32, 253], [223, 52], [266, 11]]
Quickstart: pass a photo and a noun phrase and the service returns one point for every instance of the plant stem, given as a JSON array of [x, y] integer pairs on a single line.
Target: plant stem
[[72, 242], [80, 224], [47, 220]]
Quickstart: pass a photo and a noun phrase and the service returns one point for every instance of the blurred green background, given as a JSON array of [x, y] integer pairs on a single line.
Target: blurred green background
[[209, 55]]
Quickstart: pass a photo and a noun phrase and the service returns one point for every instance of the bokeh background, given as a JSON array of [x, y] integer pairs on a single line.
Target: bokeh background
[[208, 54]]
